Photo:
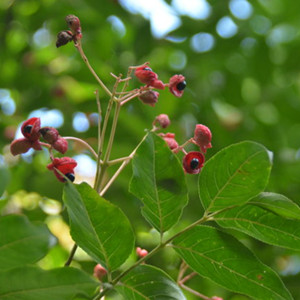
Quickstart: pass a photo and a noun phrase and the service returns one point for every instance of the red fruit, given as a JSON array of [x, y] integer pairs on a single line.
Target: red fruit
[[149, 97], [202, 137], [61, 145], [193, 162], [158, 84], [170, 140], [141, 252], [177, 85], [31, 129], [20, 146], [74, 24], [52, 136], [145, 75], [163, 120], [99, 272], [65, 165]]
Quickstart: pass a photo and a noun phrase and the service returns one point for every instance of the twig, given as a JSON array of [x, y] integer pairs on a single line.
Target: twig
[[80, 50], [187, 277], [183, 267], [99, 117], [117, 160], [72, 253], [75, 139], [129, 98], [195, 292], [101, 171], [123, 165], [113, 178]]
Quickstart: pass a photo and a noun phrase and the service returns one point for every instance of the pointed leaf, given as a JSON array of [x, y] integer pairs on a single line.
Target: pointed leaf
[[262, 225], [22, 242], [234, 176], [226, 261], [32, 283], [278, 204], [97, 226], [148, 282], [158, 181]]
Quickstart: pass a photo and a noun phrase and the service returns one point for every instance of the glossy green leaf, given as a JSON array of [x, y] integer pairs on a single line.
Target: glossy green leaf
[[32, 283], [262, 225], [278, 204], [234, 175], [226, 261], [97, 226], [158, 181], [22, 242], [148, 282], [5, 178]]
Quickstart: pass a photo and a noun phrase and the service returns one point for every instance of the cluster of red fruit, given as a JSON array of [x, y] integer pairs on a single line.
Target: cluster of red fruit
[[64, 167], [192, 161], [145, 75], [32, 132]]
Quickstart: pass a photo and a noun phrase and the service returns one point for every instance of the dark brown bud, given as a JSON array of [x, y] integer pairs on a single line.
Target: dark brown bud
[[63, 38], [49, 134], [149, 97]]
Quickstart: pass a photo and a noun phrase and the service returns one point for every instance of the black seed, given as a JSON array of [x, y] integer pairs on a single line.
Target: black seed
[[70, 176], [27, 128], [181, 85], [194, 164], [147, 69]]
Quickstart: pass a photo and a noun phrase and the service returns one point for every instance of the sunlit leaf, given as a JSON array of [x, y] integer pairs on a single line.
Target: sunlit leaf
[[159, 182], [32, 283], [262, 225], [97, 226], [148, 282], [22, 242], [278, 204], [221, 258], [234, 175]]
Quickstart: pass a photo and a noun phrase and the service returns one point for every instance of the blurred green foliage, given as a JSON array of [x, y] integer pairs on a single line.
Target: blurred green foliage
[[245, 88]]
